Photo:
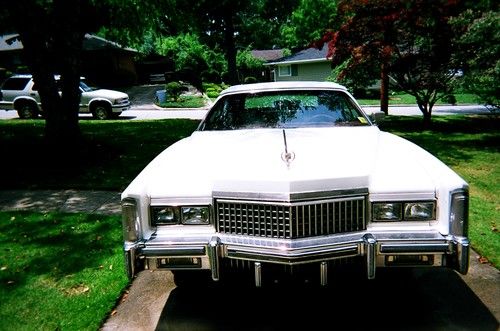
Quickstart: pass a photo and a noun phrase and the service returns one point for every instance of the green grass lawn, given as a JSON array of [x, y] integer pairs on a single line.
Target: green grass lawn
[[185, 101], [59, 271], [65, 271], [406, 99]]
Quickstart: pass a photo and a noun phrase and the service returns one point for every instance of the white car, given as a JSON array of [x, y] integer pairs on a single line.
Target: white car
[[20, 93], [291, 175]]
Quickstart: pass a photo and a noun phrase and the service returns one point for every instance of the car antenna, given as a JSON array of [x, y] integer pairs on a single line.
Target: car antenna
[[286, 156]]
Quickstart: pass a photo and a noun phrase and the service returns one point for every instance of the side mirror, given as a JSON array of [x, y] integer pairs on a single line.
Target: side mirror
[[377, 117]]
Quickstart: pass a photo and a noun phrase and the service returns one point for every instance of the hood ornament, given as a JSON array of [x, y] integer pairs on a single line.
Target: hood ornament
[[286, 156]]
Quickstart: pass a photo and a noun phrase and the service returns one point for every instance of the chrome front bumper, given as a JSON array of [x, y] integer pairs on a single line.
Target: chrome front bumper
[[378, 248]]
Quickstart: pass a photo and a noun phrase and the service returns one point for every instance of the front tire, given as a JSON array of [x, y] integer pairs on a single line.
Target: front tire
[[101, 112]]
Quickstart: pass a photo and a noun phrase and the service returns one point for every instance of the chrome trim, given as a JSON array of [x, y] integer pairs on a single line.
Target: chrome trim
[[459, 208], [301, 219], [288, 197], [313, 254], [174, 251], [412, 248], [323, 273], [258, 274], [130, 258], [371, 263], [374, 246], [463, 254], [213, 254]]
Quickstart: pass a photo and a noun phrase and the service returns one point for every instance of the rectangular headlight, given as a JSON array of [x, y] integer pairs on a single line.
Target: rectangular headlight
[[170, 215], [416, 211], [195, 215], [404, 211], [167, 215], [387, 211]]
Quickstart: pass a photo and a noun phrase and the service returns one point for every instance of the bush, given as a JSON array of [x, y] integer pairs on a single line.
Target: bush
[[174, 89]]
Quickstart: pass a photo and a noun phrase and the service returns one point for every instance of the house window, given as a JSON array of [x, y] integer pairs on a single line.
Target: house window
[[285, 70]]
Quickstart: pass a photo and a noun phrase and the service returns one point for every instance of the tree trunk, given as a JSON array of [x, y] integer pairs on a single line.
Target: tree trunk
[[53, 45], [384, 88], [230, 48]]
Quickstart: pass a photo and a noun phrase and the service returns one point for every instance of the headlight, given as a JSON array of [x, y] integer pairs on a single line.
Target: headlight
[[390, 211], [120, 101], [170, 215], [404, 211], [415, 211], [165, 215], [194, 215]]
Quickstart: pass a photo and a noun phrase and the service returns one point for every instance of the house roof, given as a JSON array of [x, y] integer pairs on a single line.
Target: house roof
[[11, 42], [268, 54], [311, 54]]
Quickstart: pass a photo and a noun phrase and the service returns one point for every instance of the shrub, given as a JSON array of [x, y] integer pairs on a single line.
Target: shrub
[[174, 89]]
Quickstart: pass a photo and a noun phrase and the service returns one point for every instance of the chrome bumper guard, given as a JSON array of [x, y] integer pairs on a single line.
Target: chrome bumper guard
[[376, 247]]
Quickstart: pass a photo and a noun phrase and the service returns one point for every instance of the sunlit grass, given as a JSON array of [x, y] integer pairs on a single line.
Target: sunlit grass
[[59, 271], [406, 99]]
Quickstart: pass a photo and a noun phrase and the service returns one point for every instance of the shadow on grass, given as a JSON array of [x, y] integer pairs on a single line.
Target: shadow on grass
[[111, 154]]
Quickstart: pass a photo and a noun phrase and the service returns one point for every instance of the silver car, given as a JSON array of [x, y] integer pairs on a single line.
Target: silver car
[[20, 93]]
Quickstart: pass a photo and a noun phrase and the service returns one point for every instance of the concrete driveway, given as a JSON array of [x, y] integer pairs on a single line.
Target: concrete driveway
[[398, 299]]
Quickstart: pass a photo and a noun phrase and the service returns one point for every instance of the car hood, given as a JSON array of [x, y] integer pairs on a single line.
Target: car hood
[[103, 93], [253, 163]]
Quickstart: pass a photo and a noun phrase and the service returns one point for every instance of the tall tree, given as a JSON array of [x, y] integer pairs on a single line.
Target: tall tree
[[411, 40], [231, 24], [52, 33], [308, 22], [479, 51]]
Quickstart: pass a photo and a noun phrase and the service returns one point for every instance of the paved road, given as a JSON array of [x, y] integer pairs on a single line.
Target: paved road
[[150, 112]]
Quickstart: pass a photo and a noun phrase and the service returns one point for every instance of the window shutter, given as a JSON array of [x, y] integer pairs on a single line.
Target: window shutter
[[295, 70]]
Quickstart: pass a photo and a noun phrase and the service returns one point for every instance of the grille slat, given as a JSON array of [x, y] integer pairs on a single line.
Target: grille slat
[[288, 221]]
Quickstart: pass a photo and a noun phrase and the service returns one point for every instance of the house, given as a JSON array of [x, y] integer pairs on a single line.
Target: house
[[267, 55], [309, 64], [104, 63]]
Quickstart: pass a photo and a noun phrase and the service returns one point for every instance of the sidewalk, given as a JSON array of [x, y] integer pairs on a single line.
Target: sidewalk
[[67, 201]]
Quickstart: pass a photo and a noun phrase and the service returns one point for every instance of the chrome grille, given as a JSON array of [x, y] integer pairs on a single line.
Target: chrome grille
[[293, 220]]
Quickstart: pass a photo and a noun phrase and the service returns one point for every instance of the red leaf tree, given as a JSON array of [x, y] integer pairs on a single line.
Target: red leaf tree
[[411, 41]]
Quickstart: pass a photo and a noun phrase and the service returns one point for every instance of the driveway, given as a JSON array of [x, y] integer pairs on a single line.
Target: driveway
[[398, 299]]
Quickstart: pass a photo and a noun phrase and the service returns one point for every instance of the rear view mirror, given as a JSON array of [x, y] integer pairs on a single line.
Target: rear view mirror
[[377, 117]]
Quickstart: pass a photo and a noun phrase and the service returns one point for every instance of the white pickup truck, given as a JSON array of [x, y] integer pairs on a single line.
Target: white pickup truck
[[19, 93]]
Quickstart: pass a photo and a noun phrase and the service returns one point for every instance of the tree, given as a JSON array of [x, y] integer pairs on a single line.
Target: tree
[[410, 40], [308, 22], [479, 50], [230, 25], [52, 33]]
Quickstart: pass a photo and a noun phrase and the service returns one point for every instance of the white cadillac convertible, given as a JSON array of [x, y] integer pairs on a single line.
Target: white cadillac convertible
[[284, 176]]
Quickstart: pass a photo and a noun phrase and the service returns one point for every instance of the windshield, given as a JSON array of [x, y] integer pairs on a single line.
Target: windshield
[[288, 109], [85, 87]]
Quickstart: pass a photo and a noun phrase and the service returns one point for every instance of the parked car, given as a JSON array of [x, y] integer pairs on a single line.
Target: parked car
[[20, 93], [288, 176]]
